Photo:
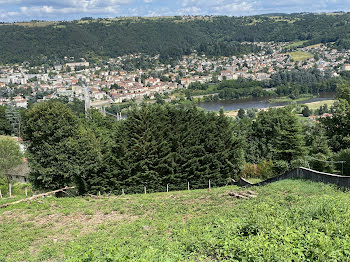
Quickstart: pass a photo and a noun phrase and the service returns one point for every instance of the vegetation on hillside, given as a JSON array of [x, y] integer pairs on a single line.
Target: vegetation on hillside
[[169, 37]]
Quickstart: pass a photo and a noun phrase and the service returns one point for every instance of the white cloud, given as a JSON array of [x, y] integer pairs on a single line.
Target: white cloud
[[19, 10], [235, 8], [53, 13], [193, 10]]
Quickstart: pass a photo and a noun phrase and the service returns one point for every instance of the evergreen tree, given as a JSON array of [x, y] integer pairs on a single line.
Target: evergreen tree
[[5, 126], [241, 113], [306, 111], [279, 134]]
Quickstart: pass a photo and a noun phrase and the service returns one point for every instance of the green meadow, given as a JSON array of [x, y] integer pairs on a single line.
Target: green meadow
[[291, 220]]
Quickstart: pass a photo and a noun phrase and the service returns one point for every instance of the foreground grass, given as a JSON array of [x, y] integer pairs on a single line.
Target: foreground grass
[[289, 221]]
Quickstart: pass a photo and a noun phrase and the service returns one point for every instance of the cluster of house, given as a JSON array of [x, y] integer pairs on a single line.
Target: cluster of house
[[111, 83]]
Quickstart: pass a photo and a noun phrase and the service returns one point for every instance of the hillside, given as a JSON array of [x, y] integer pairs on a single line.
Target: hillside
[[171, 37], [289, 220]]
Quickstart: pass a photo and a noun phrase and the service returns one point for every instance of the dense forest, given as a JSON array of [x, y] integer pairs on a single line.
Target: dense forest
[[169, 37]]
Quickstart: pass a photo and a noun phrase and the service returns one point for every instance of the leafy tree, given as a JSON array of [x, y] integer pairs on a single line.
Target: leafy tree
[[343, 155], [52, 130], [316, 143], [337, 126], [10, 155]]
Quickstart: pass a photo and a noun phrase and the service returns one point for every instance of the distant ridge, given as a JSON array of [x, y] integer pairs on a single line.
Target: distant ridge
[[172, 37]]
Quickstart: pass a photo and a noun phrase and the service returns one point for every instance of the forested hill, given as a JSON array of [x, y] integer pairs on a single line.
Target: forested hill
[[170, 37]]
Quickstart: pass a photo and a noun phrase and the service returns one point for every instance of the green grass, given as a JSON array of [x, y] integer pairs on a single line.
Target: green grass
[[295, 44], [283, 99], [300, 56], [291, 220], [254, 180], [316, 105]]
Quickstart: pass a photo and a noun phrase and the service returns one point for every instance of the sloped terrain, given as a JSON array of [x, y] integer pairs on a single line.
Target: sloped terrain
[[290, 220]]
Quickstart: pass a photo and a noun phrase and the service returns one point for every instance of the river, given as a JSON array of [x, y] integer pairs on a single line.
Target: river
[[258, 103]]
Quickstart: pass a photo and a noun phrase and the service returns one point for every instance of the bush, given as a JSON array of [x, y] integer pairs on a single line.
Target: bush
[[266, 169], [297, 163], [280, 167], [306, 111], [250, 171], [343, 155], [321, 166], [18, 189]]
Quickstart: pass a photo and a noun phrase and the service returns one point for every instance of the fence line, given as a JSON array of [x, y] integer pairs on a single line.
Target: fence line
[[301, 172], [304, 173]]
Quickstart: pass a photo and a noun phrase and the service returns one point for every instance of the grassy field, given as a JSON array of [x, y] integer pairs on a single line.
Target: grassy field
[[33, 24], [288, 221], [316, 105], [300, 55], [295, 44], [283, 99]]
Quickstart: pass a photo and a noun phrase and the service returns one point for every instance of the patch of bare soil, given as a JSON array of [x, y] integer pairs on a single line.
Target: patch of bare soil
[[63, 227], [243, 194]]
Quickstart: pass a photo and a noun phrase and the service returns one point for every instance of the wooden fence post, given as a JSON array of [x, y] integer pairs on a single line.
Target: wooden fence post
[[209, 185], [188, 185], [10, 190], [145, 190], [123, 192], [0, 194], [26, 191], [167, 188]]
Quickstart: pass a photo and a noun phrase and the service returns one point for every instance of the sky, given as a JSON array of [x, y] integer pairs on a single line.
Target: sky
[[26, 10]]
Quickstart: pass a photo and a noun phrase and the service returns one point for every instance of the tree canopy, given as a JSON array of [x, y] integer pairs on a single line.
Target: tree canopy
[[10, 155]]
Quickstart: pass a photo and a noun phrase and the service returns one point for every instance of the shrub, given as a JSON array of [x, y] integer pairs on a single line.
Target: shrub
[[297, 163], [343, 155], [250, 171], [280, 167], [265, 169]]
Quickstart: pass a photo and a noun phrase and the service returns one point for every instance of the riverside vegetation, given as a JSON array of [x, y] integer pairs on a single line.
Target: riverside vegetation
[[290, 220]]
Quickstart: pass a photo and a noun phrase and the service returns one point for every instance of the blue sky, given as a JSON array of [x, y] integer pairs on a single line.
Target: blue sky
[[24, 10]]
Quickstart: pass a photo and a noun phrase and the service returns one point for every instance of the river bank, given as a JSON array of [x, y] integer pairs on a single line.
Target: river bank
[[262, 102]]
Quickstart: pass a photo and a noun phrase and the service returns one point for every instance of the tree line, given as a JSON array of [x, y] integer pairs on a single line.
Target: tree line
[[169, 144], [284, 83], [158, 145], [155, 146]]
